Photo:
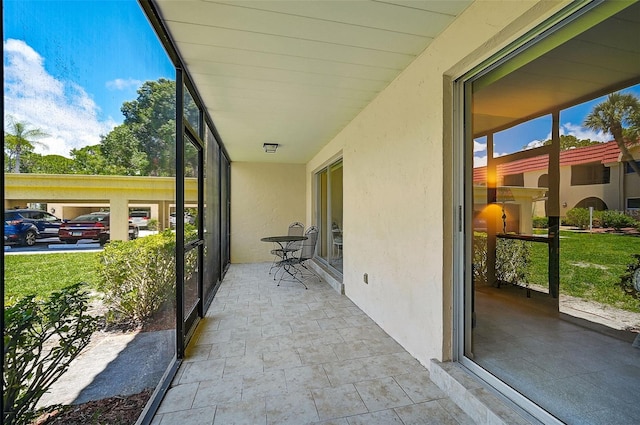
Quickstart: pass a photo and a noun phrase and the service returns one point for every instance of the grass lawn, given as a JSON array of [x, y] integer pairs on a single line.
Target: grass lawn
[[41, 274], [590, 266]]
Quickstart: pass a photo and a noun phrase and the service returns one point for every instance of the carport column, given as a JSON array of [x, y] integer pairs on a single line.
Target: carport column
[[119, 219]]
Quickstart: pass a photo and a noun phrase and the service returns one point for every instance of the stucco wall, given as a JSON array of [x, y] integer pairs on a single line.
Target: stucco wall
[[609, 192], [397, 192], [265, 198]]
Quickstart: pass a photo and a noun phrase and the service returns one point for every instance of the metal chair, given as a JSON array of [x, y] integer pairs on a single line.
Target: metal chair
[[295, 229], [336, 236], [306, 253]]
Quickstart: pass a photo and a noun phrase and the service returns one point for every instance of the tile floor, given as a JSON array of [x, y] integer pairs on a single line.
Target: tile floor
[[267, 354], [578, 375]]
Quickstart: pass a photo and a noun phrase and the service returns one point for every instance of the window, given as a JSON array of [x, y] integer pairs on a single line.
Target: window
[[514, 180], [633, 204], [628, 169], [586, 174]]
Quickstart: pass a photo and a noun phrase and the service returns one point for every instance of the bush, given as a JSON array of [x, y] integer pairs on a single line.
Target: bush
[[512, 260], [540, 222], [41, 338], [617, 219], [152, 224], [138, 276], [480, 258], [578, 217], [626, 280]]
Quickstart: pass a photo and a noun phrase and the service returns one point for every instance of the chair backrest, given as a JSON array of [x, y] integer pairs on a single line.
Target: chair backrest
[[309, 244], [296, 229]]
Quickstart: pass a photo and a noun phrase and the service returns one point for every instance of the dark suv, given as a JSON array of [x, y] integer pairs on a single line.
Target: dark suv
[[47, 224]]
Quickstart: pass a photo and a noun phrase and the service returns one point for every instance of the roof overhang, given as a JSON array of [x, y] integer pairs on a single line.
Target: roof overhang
[[296, 73]]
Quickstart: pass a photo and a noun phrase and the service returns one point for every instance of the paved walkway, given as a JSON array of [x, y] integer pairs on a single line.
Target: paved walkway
[[111, 366], [267, 354]]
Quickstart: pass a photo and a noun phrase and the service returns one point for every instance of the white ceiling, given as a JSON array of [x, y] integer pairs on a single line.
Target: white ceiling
[[296, 72]]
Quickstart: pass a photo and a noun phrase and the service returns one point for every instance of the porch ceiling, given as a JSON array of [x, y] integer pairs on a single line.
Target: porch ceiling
[[296, 72]]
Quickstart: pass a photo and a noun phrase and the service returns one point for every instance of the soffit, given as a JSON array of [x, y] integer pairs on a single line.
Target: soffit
[[296, 72]]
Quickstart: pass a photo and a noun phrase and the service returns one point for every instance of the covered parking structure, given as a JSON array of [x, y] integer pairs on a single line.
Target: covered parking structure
[[69, 195]]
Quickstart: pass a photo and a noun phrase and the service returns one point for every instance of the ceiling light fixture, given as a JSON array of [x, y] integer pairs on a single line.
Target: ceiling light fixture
[[270, 147]]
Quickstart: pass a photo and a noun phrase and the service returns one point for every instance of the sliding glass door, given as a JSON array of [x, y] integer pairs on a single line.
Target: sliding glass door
[[329, 215], [534, 178]]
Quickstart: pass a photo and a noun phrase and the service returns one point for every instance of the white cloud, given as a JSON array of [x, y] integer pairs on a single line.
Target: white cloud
[[62, 109], [534, 144], [581, 133], [122, 84], [479, 161], [479, 147]]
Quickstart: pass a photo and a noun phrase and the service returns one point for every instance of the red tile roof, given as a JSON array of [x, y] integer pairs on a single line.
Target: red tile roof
[[604, 153]]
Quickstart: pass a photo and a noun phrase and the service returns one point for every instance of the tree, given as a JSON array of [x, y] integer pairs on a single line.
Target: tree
[[568, 141], [152, 120], [18, 140], [120, 149], [611, 116], [89, 160], [48, 164]]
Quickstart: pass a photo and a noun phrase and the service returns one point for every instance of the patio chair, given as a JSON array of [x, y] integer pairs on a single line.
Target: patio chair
[[306, 253], [336, 234], [295, 229]]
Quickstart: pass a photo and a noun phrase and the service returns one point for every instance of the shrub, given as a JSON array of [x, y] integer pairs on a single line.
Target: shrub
[[138, 276], [627, 279], [578, 217], [597, 218], [41, 338], [512, 260], [480, 258], [152, 224], [617, 219], [540, 222]]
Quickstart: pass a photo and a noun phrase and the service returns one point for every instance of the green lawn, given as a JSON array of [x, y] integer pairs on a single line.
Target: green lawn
[[590, 266], [41, 274]]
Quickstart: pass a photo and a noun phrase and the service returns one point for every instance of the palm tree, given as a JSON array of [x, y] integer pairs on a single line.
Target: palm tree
[[20, 139], [611, 115]]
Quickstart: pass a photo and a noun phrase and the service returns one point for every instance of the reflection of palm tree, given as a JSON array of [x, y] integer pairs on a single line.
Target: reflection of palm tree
[[19, 140], [610, 116]]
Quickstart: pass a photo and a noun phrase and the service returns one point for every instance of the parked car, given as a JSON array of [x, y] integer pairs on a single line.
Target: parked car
[[139, 218], [188, 219], [94, 226], [21, 232], [47, 224]]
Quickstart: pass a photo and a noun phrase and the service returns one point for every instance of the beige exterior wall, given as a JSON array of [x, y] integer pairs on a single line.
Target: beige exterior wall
[[609, 193], [265, 199], [621, 186], [397, 188]]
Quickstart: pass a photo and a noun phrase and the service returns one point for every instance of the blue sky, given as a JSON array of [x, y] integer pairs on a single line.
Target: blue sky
[[69, 66]]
